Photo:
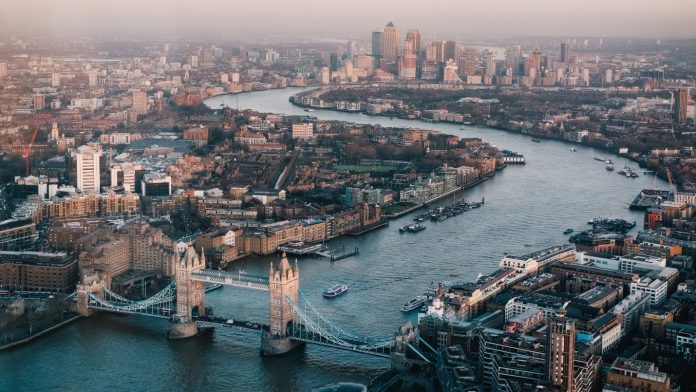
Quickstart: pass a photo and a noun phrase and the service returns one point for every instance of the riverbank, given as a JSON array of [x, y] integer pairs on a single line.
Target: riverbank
[[438, 198], [40, 333], [639, 158]]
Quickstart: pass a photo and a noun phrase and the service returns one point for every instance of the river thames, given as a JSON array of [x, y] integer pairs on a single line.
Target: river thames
[[527, 208]]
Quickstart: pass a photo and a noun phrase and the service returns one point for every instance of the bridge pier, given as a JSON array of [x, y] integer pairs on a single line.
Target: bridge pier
[[277, 345], [182, 330]]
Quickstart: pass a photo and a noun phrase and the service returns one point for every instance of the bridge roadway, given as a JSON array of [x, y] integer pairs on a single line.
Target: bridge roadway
[[303, 334], [213, 322], [231, 279]]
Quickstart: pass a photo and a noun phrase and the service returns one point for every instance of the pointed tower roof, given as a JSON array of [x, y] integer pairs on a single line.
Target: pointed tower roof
[[390, 24], [190, 256], [284, 265]]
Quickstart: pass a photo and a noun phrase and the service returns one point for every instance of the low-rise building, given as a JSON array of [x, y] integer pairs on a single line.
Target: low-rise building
[[38, 271], [638, 376]]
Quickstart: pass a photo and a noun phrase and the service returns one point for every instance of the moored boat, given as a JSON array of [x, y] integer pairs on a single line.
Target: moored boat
[[415, 228], [414, 303]]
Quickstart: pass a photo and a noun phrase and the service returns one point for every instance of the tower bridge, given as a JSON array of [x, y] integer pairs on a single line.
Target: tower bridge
[[293, 319]]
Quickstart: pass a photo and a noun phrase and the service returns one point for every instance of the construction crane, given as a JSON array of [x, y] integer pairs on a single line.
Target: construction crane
[[27, 150]]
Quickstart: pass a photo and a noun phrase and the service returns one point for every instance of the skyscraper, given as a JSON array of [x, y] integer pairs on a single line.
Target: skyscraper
[[333, 62], [468, 61], [377, 44], [681, 100], [390, 42], [414, 38], [87, 169], [565, 52], [560, 350], [450, 48], [3, 70], [490, 64]]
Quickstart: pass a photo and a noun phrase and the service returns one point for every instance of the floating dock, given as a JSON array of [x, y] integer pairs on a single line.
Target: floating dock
[[300, 248], [338, 254]]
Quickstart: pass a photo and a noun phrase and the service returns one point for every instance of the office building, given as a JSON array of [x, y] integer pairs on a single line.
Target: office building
[[124, 175], [390, 42], [565, 52], [3, 70], [88, 169], [156, 185], [377, 44], [413, 36], [468, 61]]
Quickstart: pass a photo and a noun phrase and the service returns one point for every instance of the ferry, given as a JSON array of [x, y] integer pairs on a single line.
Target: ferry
[[335, 290], [414, 303], [567, 231]]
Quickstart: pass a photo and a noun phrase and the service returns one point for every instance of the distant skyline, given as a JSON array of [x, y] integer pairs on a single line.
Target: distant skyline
[[446, 19]]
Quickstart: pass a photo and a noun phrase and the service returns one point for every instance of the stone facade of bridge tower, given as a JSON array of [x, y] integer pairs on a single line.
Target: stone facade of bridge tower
[[190, 295], [283, 282]]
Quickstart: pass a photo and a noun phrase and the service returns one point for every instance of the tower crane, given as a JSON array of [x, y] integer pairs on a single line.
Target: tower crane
[[27, 150]]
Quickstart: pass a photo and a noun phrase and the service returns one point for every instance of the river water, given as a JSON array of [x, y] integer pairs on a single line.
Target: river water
[[525, 205]]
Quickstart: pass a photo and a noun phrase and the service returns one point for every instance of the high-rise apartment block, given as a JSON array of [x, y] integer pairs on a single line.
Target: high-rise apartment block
[[681, 100], [87, 169], [140, 102], [560, 351]]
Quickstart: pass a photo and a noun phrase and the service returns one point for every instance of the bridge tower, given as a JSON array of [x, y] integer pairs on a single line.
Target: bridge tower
[[283, 282], [190, 295], [89, 285]]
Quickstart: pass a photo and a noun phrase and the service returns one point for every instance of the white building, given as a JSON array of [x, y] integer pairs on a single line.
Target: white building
[[611, 337], [654, 288], [630, 309], [640, 261], [124, 175], [87, 169]]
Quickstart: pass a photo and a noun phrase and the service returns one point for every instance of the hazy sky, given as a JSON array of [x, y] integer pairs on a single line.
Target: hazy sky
[[635, 18]]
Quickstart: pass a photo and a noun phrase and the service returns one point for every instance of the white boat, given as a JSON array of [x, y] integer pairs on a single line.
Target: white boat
[[335, 290], [414, 303]]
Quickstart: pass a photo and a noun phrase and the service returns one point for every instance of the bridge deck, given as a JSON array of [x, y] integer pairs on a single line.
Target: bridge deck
[[208, 322], [231, 279]]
